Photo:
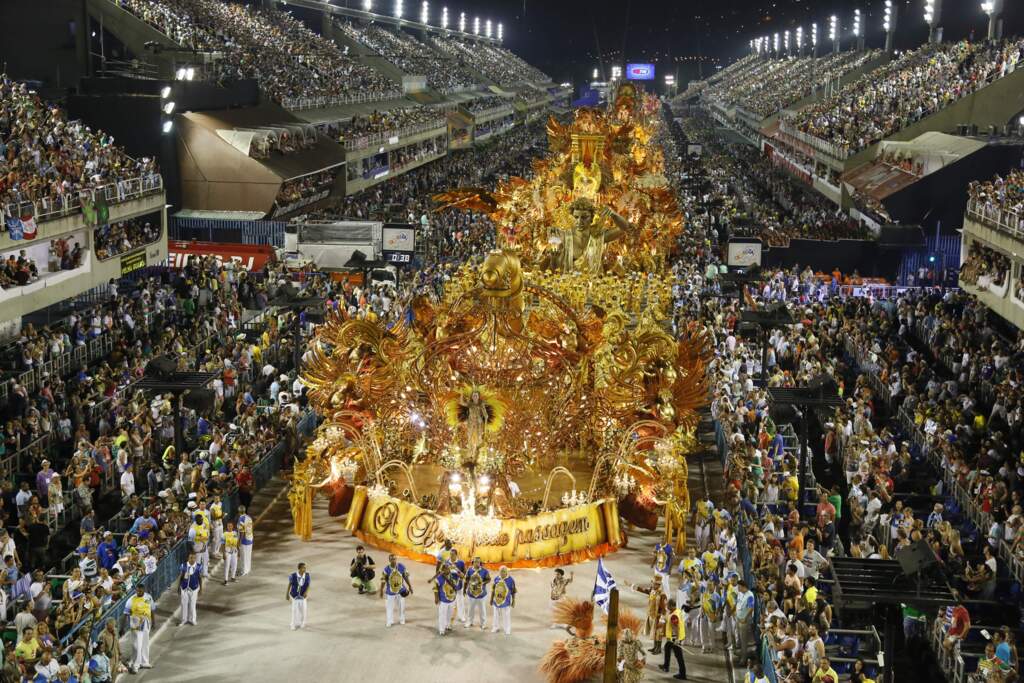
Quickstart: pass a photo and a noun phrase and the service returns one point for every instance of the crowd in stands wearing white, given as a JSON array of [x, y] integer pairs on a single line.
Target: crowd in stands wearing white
[[45, 158]]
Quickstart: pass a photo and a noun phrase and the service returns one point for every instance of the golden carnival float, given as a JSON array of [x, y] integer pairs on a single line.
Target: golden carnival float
[[543, 398]]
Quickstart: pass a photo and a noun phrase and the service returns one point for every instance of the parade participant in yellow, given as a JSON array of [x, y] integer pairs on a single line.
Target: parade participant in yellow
[[139, 609]]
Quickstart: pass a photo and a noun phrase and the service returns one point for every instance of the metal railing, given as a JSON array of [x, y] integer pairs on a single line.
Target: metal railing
[[832, 149], [364, 141], [1007, 220], [50, 208], [303, 103]]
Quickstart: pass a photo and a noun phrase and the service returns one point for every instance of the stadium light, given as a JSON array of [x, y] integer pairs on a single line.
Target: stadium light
[[799, 38], [833, 28], [487, 28], [785, 40], [425, 12], [476, 25], [929, 11], [670, 79], [856, 22], [398, 9], [367, 5], [595, 73], [168, 108], [814, 35], [444, 18], [167, 126], [988, 7], [887, 17], [462, 22], [501, 32], [776, 43], [165, 92]]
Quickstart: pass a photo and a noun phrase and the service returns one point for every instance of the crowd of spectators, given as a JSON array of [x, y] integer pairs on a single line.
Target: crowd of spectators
[[389, 121], [48, 159], [984, 266], [484, 103], [289, 61], [294, 194], [796, 78], [411, 56], [496, 63], [18, 270], [914, 85], [760, 200], [1001, 199], [120, 238], [90, 442]]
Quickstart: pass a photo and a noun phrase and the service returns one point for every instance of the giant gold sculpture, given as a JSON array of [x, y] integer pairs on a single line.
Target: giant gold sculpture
[[543, 396]]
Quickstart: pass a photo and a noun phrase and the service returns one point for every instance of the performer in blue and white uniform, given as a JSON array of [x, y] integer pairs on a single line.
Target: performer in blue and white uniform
[[393, 589], [444, 597], [459, 573], [663, 564], [503, 598], [190, 582], [477, 580], [298, 593]]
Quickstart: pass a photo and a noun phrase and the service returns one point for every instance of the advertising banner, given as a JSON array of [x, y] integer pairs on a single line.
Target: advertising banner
[[247, 256]]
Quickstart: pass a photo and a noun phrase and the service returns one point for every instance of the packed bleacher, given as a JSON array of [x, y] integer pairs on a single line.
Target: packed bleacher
[[93, 458], [496, 63], [1000, 200], [292, 64], [795, 79], [764, 201], [388, 122], [411, 56], [916, 84], [984, 266], [485, 103], [924, 448], [48, 163], [120, 238], [300, 192]]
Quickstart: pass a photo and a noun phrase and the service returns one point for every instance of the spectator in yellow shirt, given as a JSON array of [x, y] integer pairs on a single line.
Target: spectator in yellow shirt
[[27, 650]]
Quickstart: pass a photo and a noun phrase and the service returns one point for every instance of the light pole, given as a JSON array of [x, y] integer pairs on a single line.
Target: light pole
[[785, 41], [775, 44], [994, 10], [833, 32], [814, 39], [858, 30], [800, 41], [889, 24], [933, 17]]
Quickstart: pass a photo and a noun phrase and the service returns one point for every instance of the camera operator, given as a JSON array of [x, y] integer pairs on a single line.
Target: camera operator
[[361, 570]]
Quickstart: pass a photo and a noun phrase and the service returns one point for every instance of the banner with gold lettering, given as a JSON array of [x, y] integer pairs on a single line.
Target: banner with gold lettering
[[548, 539]]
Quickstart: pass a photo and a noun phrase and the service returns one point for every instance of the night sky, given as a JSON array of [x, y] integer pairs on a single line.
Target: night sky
[[566, 38]]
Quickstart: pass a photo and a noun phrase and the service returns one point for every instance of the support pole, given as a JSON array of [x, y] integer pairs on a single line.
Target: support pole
[[611, 651], [803, 455]]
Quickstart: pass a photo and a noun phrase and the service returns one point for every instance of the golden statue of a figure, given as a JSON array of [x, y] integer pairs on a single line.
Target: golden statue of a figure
[[582, 246]]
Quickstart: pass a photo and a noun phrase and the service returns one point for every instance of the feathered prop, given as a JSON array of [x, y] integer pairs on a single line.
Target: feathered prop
[[456, 408], [573, 661], [576, 614]]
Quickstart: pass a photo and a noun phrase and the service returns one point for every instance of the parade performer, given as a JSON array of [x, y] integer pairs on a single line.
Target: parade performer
[[216, 528], [394, 589], [663, 564], [444, 597], [559, 584], [245, 525], [199, 535], [230, 553], [298, 593], [657, 603], [459, 574], [675, 633], [190, 584], [503, 598], [139, 609], [477, 580]]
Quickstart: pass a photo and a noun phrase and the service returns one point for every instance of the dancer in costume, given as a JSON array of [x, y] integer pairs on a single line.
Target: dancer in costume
[[503, 598], [394, 589], [477, 580]]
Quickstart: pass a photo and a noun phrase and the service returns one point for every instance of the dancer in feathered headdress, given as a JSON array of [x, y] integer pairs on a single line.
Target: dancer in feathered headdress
[[477, 409]]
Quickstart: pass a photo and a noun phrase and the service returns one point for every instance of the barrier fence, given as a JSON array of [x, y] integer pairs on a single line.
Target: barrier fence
[[391, 136]]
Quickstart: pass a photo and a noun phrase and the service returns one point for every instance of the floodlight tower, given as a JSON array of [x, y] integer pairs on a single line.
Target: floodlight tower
[[858, 30], [785, 41], [814, 39], [933, 17], [800, 41], [833, 32], [994, 10], [889, 24]]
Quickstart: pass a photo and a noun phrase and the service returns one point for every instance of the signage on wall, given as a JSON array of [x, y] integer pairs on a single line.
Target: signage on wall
[[132, 262]]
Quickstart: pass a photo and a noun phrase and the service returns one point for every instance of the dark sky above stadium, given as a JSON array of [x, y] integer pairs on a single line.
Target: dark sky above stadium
[[566, 37]]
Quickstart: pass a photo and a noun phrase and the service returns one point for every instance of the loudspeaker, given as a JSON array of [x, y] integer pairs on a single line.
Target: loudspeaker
[[915, 558], [198, 399], [162, 367]]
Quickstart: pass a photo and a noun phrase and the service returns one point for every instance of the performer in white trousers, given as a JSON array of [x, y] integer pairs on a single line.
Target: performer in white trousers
[[395, 586], [444, 597], [230, 553], [298, 594], [139, 609], [246, 539], [477, 580], [503, 598], [199, 535], [216, 528], [190, 583]]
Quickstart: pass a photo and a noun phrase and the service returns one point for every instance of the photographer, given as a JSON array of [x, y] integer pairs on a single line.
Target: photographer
[[361, 571]]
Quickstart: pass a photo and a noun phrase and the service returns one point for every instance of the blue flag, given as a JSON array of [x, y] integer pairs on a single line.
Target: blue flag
[[14, 228], [603, 586]]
